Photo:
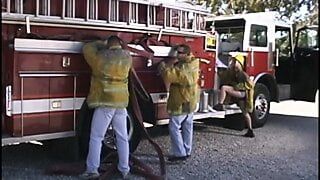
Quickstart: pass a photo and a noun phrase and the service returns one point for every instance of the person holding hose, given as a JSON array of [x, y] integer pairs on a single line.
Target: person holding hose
[[109, 96], [181, 74]]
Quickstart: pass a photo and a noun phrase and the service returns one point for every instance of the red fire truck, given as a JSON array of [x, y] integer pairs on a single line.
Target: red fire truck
[[45, 79]]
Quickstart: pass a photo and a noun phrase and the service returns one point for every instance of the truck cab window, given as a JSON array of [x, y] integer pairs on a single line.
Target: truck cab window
[[282, 40], [258, 36], [231, 39], [308, 38]]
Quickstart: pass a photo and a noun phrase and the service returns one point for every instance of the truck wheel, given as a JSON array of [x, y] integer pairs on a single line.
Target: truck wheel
[[133, 134], [261, 104], [84, 127]]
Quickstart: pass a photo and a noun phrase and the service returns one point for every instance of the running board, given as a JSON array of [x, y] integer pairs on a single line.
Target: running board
[[24, 139], [203, 115]]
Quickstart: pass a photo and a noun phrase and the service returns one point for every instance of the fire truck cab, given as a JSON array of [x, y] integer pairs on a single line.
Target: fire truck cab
[[276, 67]]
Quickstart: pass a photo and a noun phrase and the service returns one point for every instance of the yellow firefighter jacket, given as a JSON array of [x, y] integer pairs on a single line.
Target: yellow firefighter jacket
[[109, 80], [184, 90], [240, 81]]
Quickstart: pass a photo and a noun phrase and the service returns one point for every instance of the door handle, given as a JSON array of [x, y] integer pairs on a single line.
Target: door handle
[[56, 104], [65, 61]]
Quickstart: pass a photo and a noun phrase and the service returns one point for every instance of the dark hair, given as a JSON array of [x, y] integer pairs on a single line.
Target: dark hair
[[186, 48], [114, 40]]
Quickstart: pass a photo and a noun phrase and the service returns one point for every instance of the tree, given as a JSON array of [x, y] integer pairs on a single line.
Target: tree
[[286, 8], [311, 18]]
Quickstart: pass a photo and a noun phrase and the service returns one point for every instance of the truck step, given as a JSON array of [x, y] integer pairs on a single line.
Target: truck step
[[230, 109]]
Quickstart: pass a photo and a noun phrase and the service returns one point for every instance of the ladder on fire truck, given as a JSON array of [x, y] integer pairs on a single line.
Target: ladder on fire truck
[[151, 15]]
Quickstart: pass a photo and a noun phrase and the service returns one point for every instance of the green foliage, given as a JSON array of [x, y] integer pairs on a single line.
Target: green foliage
[[285, 7]]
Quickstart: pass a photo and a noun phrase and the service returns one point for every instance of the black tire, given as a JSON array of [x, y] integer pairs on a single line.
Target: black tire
[[84, 128], [261, 104]]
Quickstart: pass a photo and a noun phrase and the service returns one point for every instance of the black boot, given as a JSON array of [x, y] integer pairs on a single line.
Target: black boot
[[249, 133], [218, 107]]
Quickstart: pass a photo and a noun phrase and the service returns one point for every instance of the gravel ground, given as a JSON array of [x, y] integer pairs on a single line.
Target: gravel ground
[[285, 148]]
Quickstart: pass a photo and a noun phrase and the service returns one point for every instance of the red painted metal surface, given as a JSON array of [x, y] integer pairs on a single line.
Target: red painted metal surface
[[259, 65], [61, 121], [161, 111], [62, 87], [38, 123], [6, 75], [32, 124]]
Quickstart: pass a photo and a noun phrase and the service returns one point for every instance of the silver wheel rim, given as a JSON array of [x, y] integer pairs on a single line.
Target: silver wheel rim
[[261, 106], [110, 138]]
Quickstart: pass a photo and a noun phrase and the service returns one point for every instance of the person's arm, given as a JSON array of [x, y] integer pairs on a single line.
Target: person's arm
[[249, 84], [90, 51], [226, 77], [169, 73]]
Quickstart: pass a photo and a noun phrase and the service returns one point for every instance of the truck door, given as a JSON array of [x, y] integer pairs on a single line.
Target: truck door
[[306, 69], [283, 61]]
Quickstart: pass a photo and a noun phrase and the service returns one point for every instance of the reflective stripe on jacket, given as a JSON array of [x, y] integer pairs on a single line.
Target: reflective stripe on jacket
[[184, 90], [109, 80]]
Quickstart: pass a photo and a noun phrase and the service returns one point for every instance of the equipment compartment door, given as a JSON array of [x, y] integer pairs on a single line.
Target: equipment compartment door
[[62, 103]]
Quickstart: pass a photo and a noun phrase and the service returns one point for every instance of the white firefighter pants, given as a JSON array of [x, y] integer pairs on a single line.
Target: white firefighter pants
[[102, 118], [180, 130]]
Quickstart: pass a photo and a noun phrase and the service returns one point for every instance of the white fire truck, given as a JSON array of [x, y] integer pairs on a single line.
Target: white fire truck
[[45, 79]]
